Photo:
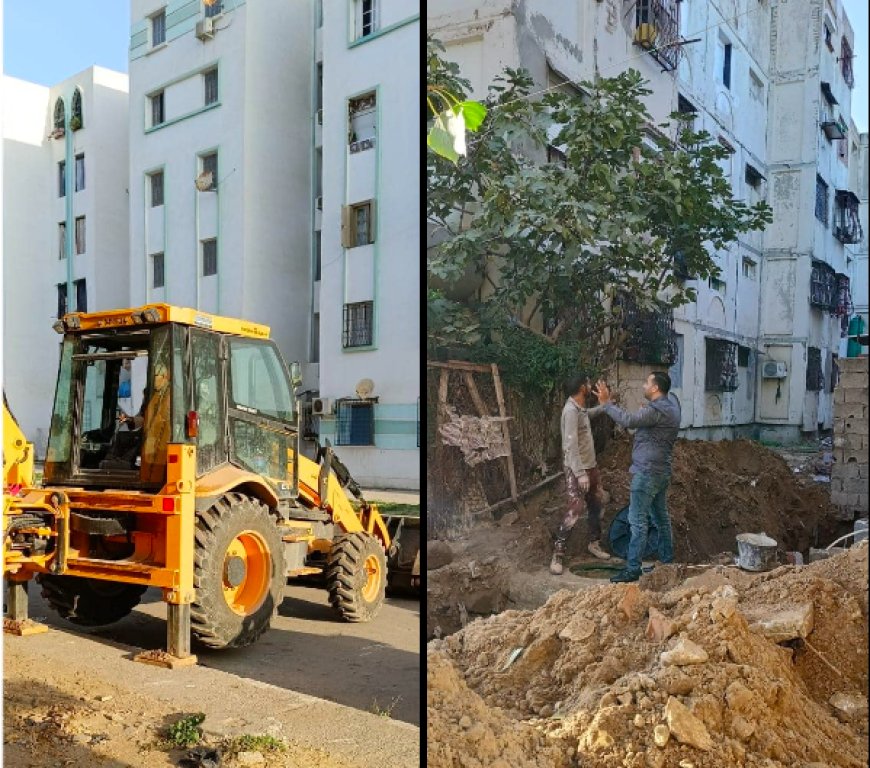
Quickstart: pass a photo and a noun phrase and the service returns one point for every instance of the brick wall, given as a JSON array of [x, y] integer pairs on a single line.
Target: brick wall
[[849, 474]]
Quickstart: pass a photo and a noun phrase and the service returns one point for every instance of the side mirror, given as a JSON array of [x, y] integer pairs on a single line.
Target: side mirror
[[295, 374]]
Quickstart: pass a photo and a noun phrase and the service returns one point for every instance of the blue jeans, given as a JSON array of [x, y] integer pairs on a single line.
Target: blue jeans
[[649, 501]]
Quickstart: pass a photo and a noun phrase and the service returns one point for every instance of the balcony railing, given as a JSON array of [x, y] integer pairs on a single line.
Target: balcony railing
[[651, 336], [657, 29], [823, 286], [847, 226]]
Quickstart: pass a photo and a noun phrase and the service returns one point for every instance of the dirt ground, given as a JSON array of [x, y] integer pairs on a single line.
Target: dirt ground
[[335, 695], [678, 670]]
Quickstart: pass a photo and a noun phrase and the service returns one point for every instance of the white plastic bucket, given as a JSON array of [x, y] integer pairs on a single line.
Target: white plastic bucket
[[860, 529], [756, 552]]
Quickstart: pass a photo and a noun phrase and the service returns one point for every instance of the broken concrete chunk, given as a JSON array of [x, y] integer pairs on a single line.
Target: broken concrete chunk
[[438, 554], [629, 600], [683, 653], [849, 706], [659, 627], [577, 629], [742, 728], [781, 624], [685, 727], [661, 735]]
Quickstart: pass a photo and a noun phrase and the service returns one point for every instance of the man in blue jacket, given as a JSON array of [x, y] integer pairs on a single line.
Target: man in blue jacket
[[657, 424]]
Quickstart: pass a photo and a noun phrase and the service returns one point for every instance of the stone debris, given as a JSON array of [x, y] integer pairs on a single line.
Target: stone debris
[[438, 554], [781, 624], [849, 705], [683, 653], [685, 727]]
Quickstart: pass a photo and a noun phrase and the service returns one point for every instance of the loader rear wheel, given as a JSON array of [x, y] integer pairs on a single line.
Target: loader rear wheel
[[238, 572], [90, 602], [356, 576]]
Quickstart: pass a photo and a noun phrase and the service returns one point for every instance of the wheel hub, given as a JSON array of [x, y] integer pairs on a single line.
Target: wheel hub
[[234, 571]]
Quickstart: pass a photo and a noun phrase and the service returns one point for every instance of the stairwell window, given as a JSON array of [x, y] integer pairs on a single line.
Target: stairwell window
[[80, 172], [357, 225], [157, 270], [80, 234], [210, 83], [61, 240], [209, 257], [362, 122], [59, 115], [61, 299], [749, 268], [61, 179], [155, 181], [357, 330], [158, 28], [365, 18], [81, 290], [209, 164], [355, 422], [75, 121], [158, 116]]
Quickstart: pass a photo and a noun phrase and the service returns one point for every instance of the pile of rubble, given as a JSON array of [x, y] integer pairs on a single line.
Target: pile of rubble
[[721, 669]]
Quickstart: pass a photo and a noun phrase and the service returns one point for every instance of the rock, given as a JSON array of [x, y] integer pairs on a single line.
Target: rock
[[659, 627], [686, 764], [465, 722], [250, 758], [685, 652], [105, 698], [438, 554], [655, 759], [661, 735], [742, 728], [625, 699], [678, 683], [740, 698], [577, 629], [685, 727], [849, 706], [629, 600], [597, 739], [638, 721], [485, 602], [781, 624], [724, 602]]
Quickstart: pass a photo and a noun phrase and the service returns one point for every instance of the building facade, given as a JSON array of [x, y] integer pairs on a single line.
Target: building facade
[[366, 234], [65, 224]]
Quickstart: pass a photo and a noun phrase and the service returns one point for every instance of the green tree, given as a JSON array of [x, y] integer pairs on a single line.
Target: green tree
[[554, 239]]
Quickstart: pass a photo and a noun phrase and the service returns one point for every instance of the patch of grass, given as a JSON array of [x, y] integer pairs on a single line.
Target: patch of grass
[[250, 743], [397, 508], [186, 732], [387, 711]]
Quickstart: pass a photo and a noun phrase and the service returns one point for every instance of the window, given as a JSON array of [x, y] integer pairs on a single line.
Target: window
[[829, 37], [318, 13], [355, 422], [80, 234], [556, 81], [210, 81], [815, 375], [156, 182], [210, 165], [843, 150], [315, 338], [209, 257], [756, 87], [726, 66], [821, 200], [657, 27], [61, 240], [362, 122], [80, 173], [717, 285], [61, 299], [749, 268], [81, 295], [846, 62], [59, 115], [357, 227], [721, 366], [753, 177], [828, 94], [651, 337], [742, 357], [318, 245], [158, 28], [157, 109], [213, 7], [358, 319], [157, 270], [61, 179], [365, 18], [823, 286], [75, 121], [847, 225], [689, 110], [556, 157]]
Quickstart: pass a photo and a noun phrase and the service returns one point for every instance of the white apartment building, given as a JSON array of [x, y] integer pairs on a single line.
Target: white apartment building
[[220, 162], [65, 224], [773, 86], [859, 170], [366, 235]]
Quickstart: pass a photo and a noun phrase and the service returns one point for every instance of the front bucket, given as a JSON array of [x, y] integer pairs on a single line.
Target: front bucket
[[756, 552]]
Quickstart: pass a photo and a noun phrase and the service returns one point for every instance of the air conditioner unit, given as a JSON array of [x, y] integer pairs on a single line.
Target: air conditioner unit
[[205, 29], [321, 406], [318, 202], [773, 369]]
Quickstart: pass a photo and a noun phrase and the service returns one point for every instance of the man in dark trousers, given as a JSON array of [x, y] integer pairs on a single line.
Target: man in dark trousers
[[657, 424], [581, 473]]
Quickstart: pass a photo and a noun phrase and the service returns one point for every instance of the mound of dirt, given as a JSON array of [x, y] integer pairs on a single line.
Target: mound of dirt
[[652, 675]]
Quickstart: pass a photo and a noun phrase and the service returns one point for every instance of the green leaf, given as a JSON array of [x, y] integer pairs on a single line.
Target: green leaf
[[447, 135], [473, 112]]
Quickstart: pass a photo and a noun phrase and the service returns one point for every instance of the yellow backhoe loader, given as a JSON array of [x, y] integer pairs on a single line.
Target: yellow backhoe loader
[[197, 486]]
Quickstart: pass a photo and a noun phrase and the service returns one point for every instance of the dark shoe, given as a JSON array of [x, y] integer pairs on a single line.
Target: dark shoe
[[626, 574]]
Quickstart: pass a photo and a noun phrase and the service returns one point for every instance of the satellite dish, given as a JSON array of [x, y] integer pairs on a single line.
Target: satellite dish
[[205, 181], [364, 387]]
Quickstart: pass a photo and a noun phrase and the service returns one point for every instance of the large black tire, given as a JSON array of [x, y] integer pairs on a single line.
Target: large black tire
[[356, 576], [238, 572], [90, 602]]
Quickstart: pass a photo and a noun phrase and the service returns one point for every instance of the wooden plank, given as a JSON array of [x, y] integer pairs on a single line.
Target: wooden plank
[[499, 396], [475, 395], [459, 365]]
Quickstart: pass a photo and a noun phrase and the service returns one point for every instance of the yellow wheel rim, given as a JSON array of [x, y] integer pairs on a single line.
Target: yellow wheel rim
[[246, 573], [372, 570]]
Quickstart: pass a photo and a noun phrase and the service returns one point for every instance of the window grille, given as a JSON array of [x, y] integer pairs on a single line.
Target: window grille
[[80, 173], [210, 81], [657, 25], [61, 238], [843, 302], [80, 235], [835, 374], [213, 8], [59, 115], [361, 225], [726, 66], [815, 374], [846, 63], [847, 225], [158, 28], [81, 295], [156, 189], [355, 422], [157, 268], [157, 112], [651, 336], [209, 257], [721, 366], [76, 117], [821, 200], [61, 179], [61, 299], [358, 321], [823, 286]]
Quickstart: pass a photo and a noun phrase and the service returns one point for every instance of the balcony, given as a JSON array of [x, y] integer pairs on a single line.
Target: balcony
[[657, 30]]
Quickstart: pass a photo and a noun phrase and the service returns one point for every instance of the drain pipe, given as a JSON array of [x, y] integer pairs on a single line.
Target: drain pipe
[[68, 192]]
